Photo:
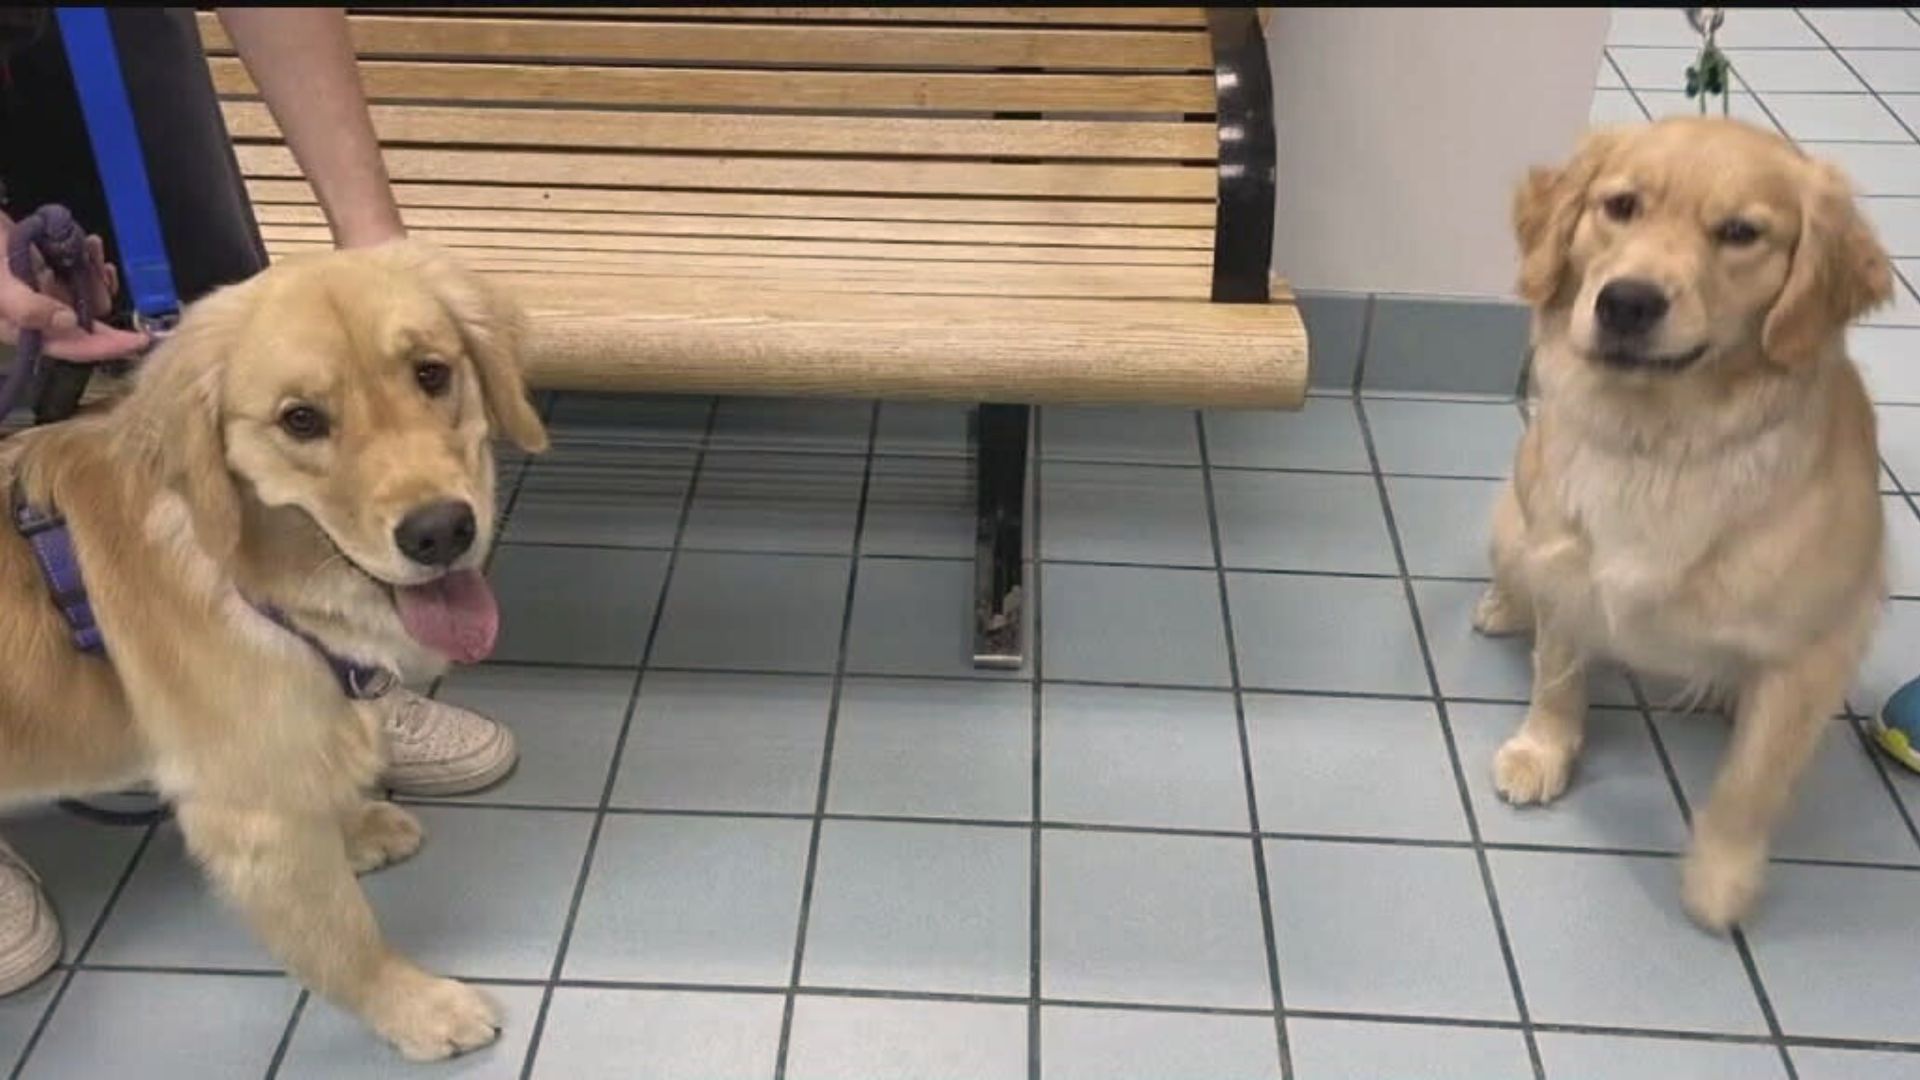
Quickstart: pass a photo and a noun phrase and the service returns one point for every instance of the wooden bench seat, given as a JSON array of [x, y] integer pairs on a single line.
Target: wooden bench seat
[[999, 205]]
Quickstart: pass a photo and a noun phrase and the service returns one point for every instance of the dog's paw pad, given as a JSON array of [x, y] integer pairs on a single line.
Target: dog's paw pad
[[431, 1018], [383, 835], [1496, 615], [1526, 772]]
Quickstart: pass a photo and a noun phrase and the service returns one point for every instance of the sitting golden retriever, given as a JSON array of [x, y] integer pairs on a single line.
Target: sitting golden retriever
[[1696, 495], [297, 491]]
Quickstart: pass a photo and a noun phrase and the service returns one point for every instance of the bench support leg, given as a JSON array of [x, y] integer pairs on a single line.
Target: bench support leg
[[999, 589]]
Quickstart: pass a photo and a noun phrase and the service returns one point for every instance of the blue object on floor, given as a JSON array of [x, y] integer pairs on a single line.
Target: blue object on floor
[[1897, 729]]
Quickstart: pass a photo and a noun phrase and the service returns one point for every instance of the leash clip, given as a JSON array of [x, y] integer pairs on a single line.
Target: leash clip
[[157, 327]]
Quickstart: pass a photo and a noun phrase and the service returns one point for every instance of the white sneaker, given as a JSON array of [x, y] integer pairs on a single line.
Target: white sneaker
[[434, 748], [29, 930]]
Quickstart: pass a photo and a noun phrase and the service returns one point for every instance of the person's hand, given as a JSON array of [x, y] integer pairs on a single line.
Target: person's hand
[[50, 310]]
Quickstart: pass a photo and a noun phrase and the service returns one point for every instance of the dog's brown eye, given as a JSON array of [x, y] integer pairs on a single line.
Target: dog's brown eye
[[1621, 207], [433, 376], [1735, 232], [303, 422]]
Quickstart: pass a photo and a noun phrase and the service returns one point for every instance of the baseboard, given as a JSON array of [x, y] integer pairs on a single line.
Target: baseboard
[[1414, 344]]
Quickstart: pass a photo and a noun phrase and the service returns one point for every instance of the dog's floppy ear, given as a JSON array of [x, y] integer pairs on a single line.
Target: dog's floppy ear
[[175, 413], [1839, 273], [494, 329], [1546, 207]]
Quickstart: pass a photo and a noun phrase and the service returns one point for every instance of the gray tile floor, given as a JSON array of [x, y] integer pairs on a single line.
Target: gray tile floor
[[1233, 821]]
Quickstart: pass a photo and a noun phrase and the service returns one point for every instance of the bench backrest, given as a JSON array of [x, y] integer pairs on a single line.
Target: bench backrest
[[1086, 135]]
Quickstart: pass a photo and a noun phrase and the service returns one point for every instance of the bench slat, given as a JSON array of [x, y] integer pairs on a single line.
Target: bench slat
[[1036, 14], [762, 133], [996, 253], [392, 37], [603, 333], [417, 81], [914, 277], [557, 227], [826, 207], [766, 174]]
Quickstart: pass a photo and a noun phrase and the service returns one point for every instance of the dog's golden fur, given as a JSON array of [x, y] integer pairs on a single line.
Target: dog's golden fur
[[188, 505], [1717, 524]]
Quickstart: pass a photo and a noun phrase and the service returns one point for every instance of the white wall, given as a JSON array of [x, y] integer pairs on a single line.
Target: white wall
[[1403, 131]]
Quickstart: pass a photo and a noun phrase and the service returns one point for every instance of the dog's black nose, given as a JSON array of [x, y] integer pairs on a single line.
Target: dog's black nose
[[1630, 306], [436, 534]]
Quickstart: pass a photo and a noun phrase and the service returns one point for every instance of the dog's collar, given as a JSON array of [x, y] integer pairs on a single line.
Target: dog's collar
[[46, 532], [361, 682]]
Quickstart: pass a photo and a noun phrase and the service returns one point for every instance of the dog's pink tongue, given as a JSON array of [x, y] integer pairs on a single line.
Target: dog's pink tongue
[[455, 616]]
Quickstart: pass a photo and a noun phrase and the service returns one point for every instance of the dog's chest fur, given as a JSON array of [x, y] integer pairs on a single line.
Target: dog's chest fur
[[1646, 554]]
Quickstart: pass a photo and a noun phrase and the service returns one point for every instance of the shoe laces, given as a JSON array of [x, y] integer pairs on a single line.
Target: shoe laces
[[410, 715]]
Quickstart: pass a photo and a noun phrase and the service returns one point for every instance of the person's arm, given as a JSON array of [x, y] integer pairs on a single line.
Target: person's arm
[[302, 60]]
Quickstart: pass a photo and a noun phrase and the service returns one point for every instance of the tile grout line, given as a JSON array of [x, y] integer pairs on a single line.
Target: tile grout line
[[905, 676], [1855, 72], [86, 947], [875, 994], [1262, 881], [613, 766], [1453, 753], [286, 1036], [808, 882], [1037, 749], [1638, 101], [1761, 104], [1365, 343], [1053, 825], [1108, 564]]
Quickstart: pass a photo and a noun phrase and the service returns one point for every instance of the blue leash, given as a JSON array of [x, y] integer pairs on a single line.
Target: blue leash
[[122, 164], [102, 90]]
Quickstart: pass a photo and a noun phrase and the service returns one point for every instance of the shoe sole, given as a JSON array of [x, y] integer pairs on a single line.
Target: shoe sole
[[36, 956], [490, 765]]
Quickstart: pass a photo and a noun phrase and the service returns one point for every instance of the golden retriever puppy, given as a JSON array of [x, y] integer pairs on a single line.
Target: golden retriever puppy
[[1695, 496], [301, 476]]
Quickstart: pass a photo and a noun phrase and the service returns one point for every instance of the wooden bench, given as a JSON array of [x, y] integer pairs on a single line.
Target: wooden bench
[[1008, 206]]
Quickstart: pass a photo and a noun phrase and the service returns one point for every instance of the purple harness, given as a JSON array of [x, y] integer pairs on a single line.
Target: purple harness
[[46, 532]]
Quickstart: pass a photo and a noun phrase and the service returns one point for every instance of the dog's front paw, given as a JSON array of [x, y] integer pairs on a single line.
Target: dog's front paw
[[1527, 771], [381, 834], [1720, 882], [427, 1017], [1498, 615]]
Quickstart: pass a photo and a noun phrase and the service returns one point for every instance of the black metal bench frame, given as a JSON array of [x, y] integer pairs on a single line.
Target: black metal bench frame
[[1242, 263]]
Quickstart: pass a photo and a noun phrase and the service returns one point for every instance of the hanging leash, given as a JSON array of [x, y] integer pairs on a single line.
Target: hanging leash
[[1711, 70]]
